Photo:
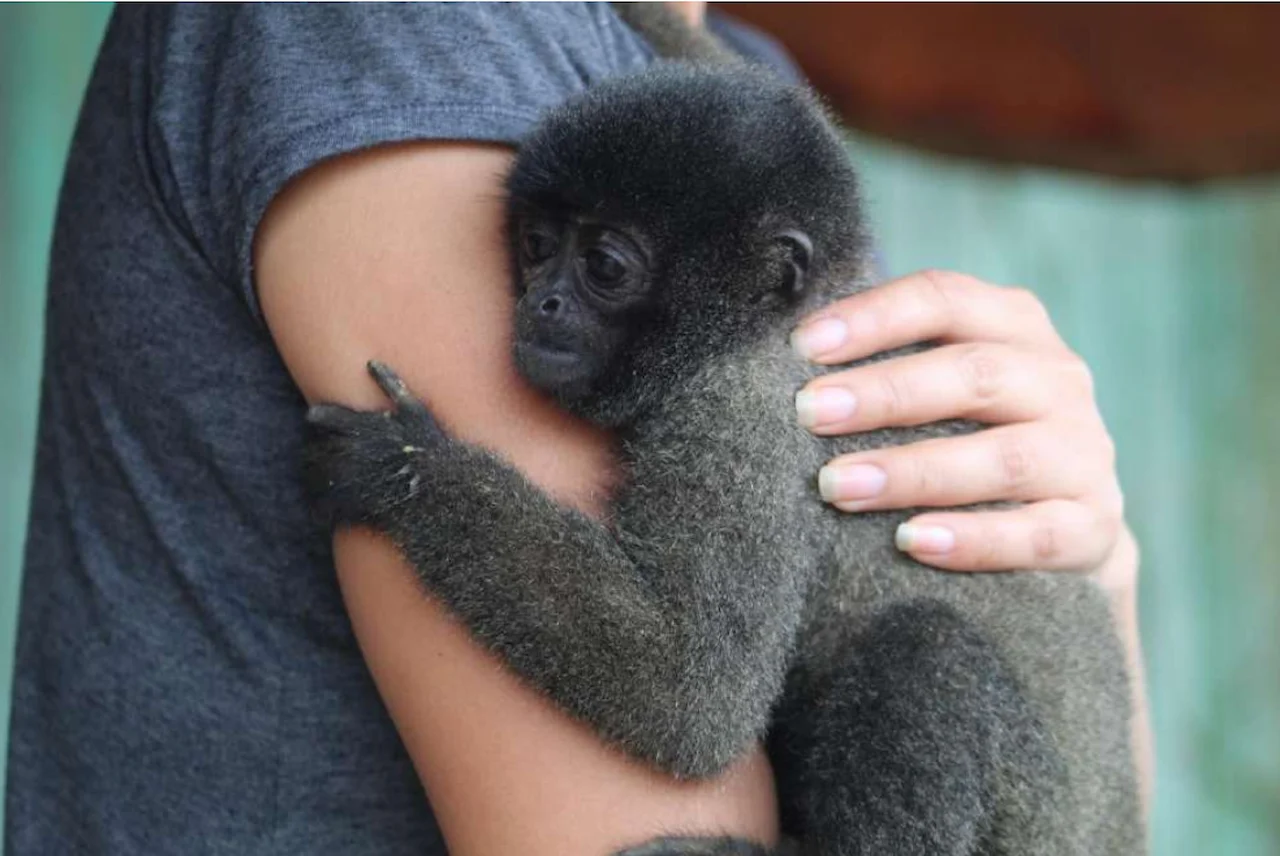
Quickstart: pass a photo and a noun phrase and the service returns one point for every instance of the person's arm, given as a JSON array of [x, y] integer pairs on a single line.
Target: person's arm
[[1118, 575], [397, 254]]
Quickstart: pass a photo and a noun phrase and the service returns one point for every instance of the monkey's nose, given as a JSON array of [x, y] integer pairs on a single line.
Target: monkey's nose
[[550, 307]]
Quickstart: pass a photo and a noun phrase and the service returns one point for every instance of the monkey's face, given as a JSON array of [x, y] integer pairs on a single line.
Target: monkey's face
[[585, 287], [611, 316], [665, 220]]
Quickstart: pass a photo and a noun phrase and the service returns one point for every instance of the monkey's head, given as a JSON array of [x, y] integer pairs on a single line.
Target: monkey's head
[[664, 219]]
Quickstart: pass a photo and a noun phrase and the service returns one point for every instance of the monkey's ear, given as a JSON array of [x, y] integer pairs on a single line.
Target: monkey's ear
[[798, 255]]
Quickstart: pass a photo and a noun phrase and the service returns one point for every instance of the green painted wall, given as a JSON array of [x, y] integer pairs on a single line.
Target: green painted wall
[[1170, 294], [45, 54]]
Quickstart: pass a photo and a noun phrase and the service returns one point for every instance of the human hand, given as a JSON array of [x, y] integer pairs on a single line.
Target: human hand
[[1000, 362]]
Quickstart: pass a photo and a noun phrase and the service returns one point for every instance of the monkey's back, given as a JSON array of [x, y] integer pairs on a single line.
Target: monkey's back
[[1041, 647], [1053, 639]]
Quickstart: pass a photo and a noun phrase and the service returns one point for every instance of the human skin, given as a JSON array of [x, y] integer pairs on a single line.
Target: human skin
[[397, 254]]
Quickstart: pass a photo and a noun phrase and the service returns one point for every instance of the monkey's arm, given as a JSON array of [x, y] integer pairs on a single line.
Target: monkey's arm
[[672, 640], [506, 770]]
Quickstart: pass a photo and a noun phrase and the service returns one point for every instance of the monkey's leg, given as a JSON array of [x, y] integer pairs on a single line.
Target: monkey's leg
[[674, 648], [899, 748]]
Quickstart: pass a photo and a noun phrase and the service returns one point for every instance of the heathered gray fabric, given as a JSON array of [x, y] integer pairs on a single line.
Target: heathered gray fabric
[[187, 681]]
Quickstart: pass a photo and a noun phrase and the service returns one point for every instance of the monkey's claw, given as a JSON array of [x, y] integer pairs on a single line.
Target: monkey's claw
[[393, 386], [410, 412]]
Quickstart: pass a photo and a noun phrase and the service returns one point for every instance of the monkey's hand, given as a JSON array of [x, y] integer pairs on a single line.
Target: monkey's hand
[[357, 464]]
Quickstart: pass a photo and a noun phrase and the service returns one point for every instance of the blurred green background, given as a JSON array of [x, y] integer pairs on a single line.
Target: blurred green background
[[1170, 294]]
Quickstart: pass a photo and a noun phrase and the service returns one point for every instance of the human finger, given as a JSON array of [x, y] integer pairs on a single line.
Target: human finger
[[926, 306], [988, 382], [1050, 535], [1020, 462]]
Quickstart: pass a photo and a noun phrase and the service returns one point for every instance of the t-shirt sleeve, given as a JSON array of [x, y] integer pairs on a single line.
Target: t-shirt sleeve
[[241, 98]]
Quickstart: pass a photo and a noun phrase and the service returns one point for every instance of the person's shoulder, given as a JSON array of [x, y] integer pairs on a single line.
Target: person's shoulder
[[241, 72], [753, 44], [586, 37], [239, 99]]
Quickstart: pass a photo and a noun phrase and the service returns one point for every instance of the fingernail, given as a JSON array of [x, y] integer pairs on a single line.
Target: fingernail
[[820, 337], [823, 406], [916, 538], [859, 481]]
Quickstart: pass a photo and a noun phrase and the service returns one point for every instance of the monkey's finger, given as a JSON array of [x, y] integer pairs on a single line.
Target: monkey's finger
[[334, 417], [395, 388], [389, 381], [922, 307], [1025, 462], [1051, 535], [992, 383]]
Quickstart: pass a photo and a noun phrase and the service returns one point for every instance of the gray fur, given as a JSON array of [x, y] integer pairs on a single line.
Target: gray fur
[[907, 711]]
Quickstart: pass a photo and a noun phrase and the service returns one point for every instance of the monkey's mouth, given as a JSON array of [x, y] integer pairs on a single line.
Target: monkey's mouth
[[551, 353], [552, 368]]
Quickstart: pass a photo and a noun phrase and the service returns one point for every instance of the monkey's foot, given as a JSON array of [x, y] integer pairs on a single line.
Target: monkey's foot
[[697, 847]]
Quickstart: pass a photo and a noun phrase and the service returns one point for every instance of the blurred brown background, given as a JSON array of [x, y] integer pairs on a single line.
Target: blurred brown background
[[1187, 91]]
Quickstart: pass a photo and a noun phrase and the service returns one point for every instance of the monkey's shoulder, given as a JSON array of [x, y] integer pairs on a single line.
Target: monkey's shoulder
[[728, 433], [742, 394]]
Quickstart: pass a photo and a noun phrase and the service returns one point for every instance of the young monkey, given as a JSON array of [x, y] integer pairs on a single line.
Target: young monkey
[[667, 230]]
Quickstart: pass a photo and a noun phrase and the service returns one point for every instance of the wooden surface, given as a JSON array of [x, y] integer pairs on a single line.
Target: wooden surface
[[1185, 91]]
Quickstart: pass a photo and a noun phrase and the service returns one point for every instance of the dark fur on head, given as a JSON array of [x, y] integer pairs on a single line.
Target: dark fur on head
[[710, 167]]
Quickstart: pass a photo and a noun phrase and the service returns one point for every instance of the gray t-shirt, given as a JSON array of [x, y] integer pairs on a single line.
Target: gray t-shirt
[[187, 681]]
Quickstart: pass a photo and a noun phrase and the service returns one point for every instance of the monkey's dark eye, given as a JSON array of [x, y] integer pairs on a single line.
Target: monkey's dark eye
[[538, 245], [604, 266]]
